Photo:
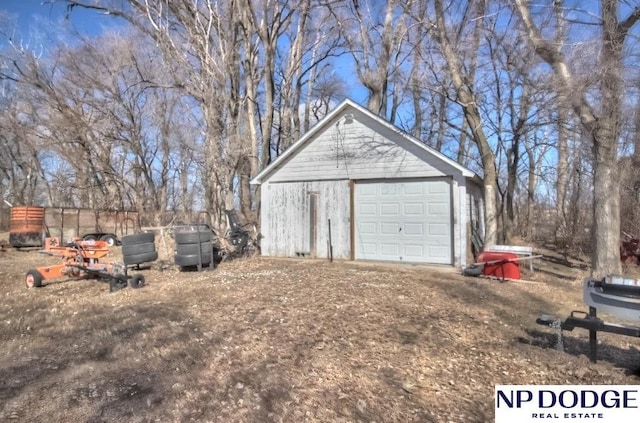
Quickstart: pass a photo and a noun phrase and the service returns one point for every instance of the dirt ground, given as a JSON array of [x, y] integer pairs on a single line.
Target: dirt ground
[[279, 340]]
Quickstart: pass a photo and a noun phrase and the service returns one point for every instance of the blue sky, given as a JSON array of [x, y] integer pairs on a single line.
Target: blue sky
[[30, 13]]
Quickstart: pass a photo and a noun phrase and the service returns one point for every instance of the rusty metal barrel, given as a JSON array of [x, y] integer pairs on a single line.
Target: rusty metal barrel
[[26, 226]]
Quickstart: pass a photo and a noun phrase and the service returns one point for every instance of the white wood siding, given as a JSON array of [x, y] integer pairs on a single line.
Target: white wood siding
[[475, 212], [460, 218], [285, 219], [356, 151], [475, 206]]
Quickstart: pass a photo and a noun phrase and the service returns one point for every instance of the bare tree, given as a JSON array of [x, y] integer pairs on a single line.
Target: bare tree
[[630, 177], [469, 104], [375, 34], [229, 84], [200, 43], [267, 20], [536, 152], [104, 135], [315, 42], [600, 122], [21, 174]]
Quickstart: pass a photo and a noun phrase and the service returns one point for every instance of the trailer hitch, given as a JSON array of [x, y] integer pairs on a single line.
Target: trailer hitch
[[589, 321]]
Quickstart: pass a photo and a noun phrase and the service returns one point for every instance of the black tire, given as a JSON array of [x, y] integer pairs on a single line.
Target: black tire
[[192, 237], [192, 259], [111, 240], [136, 281], [140, 258], [33, 279], [117, 283], [193, 268], [133, 249], [141, 238], [89, 238], [191, 249], [473, 270]]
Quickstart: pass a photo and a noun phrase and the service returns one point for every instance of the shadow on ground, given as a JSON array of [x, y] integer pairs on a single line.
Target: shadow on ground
[[627, 359]]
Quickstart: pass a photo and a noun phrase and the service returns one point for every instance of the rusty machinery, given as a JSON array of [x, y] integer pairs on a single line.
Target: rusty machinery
[[83, 259]]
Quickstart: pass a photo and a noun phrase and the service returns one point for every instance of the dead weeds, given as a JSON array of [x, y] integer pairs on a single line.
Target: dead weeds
[[276, 340]]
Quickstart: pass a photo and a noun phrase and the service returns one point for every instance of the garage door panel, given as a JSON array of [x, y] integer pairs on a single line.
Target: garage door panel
[[368, 209], [368, 228], [369, 248], [441, 247], [416, 209], [440, 253], [390, 209], [439, 209], [367, 190], [413, 250], [439, 188], [413, 189], [389, 249], [389, 228], [404, 221], [438, 229], [389, 190], [413, 229]]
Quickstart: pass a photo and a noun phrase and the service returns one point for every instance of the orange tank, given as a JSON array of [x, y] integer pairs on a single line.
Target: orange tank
[[26, 226]]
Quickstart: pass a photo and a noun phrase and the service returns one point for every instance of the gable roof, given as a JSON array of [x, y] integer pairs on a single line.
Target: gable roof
[[342, 108]]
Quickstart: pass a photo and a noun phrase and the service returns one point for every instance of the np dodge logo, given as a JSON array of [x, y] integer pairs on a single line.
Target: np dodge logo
[[567, 403]]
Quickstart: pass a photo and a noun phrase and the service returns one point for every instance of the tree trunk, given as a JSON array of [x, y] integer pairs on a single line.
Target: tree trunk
[[442, 119], [603, 129], [606, 213], [563, 176], [463, 149], [606, 259], [531, 190], [472, 115], [376, 79]]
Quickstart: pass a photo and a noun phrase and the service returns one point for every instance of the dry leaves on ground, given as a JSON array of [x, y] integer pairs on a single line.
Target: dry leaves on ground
[[259, 340]]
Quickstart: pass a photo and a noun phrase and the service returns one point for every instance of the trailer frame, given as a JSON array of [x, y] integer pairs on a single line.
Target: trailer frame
[[619, 298]]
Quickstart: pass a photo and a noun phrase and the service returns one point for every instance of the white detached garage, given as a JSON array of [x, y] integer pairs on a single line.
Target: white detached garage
[[356, 187]]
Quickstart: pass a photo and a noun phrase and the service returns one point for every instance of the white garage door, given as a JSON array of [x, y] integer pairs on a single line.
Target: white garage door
[[403, 221]]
